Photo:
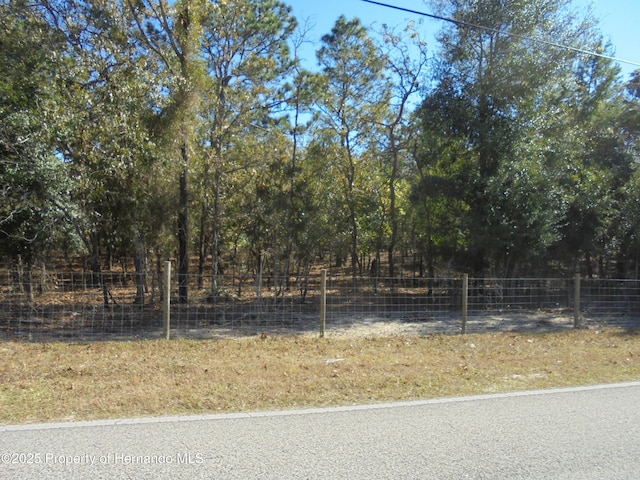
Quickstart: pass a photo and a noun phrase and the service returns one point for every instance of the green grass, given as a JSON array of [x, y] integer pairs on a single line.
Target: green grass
[[58, 381]]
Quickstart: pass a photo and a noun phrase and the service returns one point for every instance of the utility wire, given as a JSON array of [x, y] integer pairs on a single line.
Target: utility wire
[[495, 30]]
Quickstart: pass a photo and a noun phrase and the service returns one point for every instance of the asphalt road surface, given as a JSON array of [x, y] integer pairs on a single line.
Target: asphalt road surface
[[576, 433]]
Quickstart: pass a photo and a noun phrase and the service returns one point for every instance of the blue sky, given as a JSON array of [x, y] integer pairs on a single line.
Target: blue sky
[[619, 20]]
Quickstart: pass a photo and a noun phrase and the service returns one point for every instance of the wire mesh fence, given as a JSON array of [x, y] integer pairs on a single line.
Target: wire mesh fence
[[616, 302], [70, 306]]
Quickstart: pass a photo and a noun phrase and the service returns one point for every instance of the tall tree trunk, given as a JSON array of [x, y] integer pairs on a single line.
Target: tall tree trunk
[[393, 216], [98, 276], [202, 245], [354, 244], [353, 220], [25, 279], [217, 218], [183, 229], [140, 261]]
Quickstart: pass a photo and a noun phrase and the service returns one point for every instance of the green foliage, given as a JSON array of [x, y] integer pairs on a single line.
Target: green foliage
[[523, 129], [34, 188], [151, 126]]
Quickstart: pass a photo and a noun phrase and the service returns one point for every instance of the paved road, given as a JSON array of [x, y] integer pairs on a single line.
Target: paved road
[[582, 433]]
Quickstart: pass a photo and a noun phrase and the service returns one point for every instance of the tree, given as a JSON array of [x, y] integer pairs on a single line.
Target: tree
[[498, 78], [246, 53], [441, 176], [171, 34], [406, 62], [300, 92], [33, 182], [102, 128], [580, 134], [349, 109], [627, 231], [609, 158]]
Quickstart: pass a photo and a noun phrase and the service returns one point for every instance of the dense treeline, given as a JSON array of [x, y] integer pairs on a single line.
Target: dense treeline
[[150, 129]]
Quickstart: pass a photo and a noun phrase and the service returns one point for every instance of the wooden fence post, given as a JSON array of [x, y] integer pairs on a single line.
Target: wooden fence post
[[465, 301], [166, 305], [323, 301]]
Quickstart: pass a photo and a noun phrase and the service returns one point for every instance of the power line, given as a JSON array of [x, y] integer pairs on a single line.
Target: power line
[[495, 30]]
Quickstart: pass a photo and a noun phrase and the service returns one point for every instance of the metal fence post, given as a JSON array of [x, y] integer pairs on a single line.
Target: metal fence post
[[323, 301], [576, 302], [166, 306], [465, 301]]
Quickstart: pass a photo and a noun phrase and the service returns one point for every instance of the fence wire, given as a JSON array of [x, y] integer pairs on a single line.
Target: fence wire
[[70, 306]]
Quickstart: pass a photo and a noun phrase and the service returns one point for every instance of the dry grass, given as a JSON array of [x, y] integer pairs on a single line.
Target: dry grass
[[57, 381]]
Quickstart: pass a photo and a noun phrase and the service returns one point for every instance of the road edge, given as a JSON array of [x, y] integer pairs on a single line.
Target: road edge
[[309, 411]]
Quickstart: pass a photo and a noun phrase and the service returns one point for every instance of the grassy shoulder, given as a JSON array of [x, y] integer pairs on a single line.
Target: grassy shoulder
[[59, 382]]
